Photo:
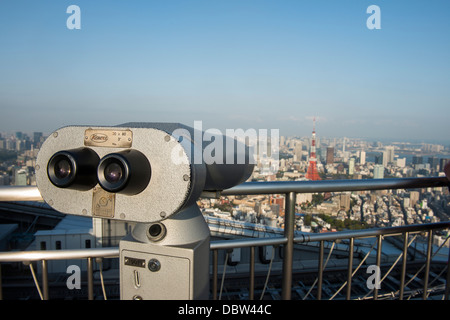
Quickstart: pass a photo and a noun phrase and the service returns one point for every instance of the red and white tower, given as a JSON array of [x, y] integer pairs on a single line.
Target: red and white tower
[[312, 173]]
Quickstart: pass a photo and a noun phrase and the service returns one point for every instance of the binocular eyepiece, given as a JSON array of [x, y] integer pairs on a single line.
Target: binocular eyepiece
[[141, 172], [73, 169], [126, 172]]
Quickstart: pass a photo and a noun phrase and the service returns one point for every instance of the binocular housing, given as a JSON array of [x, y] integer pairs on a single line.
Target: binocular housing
[[141, 172]]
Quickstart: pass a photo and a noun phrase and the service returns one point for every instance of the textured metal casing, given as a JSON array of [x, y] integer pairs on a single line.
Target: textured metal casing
[[179, 171], [181, 259], [172, 185]]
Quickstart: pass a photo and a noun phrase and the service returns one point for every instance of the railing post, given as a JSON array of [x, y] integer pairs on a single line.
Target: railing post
[[1, 288], [379, 243], [90, 276], [214, 284], [289, 219], [428, 262], [320, 275], [252, 273], [447, 282], [404, 259], [45, 279], [350, 268]]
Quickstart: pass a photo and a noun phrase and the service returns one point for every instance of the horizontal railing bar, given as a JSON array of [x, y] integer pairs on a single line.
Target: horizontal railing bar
[[225, 244], [368, 233], [19, 193], [242, 243], [22, 256], [281, 187], [31, 193]]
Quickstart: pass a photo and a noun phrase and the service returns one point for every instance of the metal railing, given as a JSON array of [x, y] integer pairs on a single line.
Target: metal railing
[[288, 240], [44, 256]]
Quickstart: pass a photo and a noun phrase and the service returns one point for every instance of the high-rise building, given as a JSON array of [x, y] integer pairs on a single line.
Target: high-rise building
[[351, 166], [434, 163], [20, 178], [313, 173], [417, 160], [4, 179], [37, 136], [388, 155], [378, 171], [330, 155], [413, 198], [401, 162], [442, 163], [298, 151], [362, 157], [378, 158], [344, 201]]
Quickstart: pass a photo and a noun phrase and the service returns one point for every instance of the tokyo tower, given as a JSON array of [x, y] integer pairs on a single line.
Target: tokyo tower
[[312, 173]]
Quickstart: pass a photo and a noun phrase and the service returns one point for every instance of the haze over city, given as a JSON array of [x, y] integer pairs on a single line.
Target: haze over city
[[347, 177], [231, 64]]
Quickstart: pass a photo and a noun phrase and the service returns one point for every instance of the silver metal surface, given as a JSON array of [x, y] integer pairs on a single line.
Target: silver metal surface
[[180, 171], [289, 222], [171, 273], [177, 264], [427, 265], [368, 233], [166, 193], [243, 243], [404, 260], [284, 187], [111, 138], [19, 256], [14, 194], [186, 227], [350, 268], [30, 193], [378, 263], [19, 193]]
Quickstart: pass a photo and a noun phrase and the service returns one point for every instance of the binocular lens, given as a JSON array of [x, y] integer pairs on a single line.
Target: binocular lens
[[114, 172], [63, 168], [127, 172], [73, 169]]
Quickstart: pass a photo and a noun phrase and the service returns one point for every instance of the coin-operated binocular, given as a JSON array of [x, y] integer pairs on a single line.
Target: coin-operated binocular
[[151, 174]]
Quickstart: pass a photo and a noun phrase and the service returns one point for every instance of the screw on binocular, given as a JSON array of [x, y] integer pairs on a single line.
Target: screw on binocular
[[154, 265]]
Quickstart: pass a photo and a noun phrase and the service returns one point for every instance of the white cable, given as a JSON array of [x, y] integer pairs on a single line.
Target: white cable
[[401, 255], [324, 266], [393, 265], [100, 262], [223, 276], [423, 266], [354, 272], [268, 273], [35, 281]]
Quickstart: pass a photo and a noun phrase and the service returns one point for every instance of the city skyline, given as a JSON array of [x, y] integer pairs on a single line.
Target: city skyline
[[230, 64], [12, 134]]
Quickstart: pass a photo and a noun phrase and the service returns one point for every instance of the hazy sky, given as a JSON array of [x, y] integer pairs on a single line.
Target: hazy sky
[[270, 64]]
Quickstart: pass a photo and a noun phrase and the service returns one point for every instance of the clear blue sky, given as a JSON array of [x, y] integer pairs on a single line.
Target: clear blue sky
[[270, 64]]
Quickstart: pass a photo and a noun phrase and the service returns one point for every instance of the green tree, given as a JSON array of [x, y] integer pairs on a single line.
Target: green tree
[[317, 198], [307, 220]]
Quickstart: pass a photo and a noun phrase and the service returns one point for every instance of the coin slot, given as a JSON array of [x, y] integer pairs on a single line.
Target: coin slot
[[137, 279]]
